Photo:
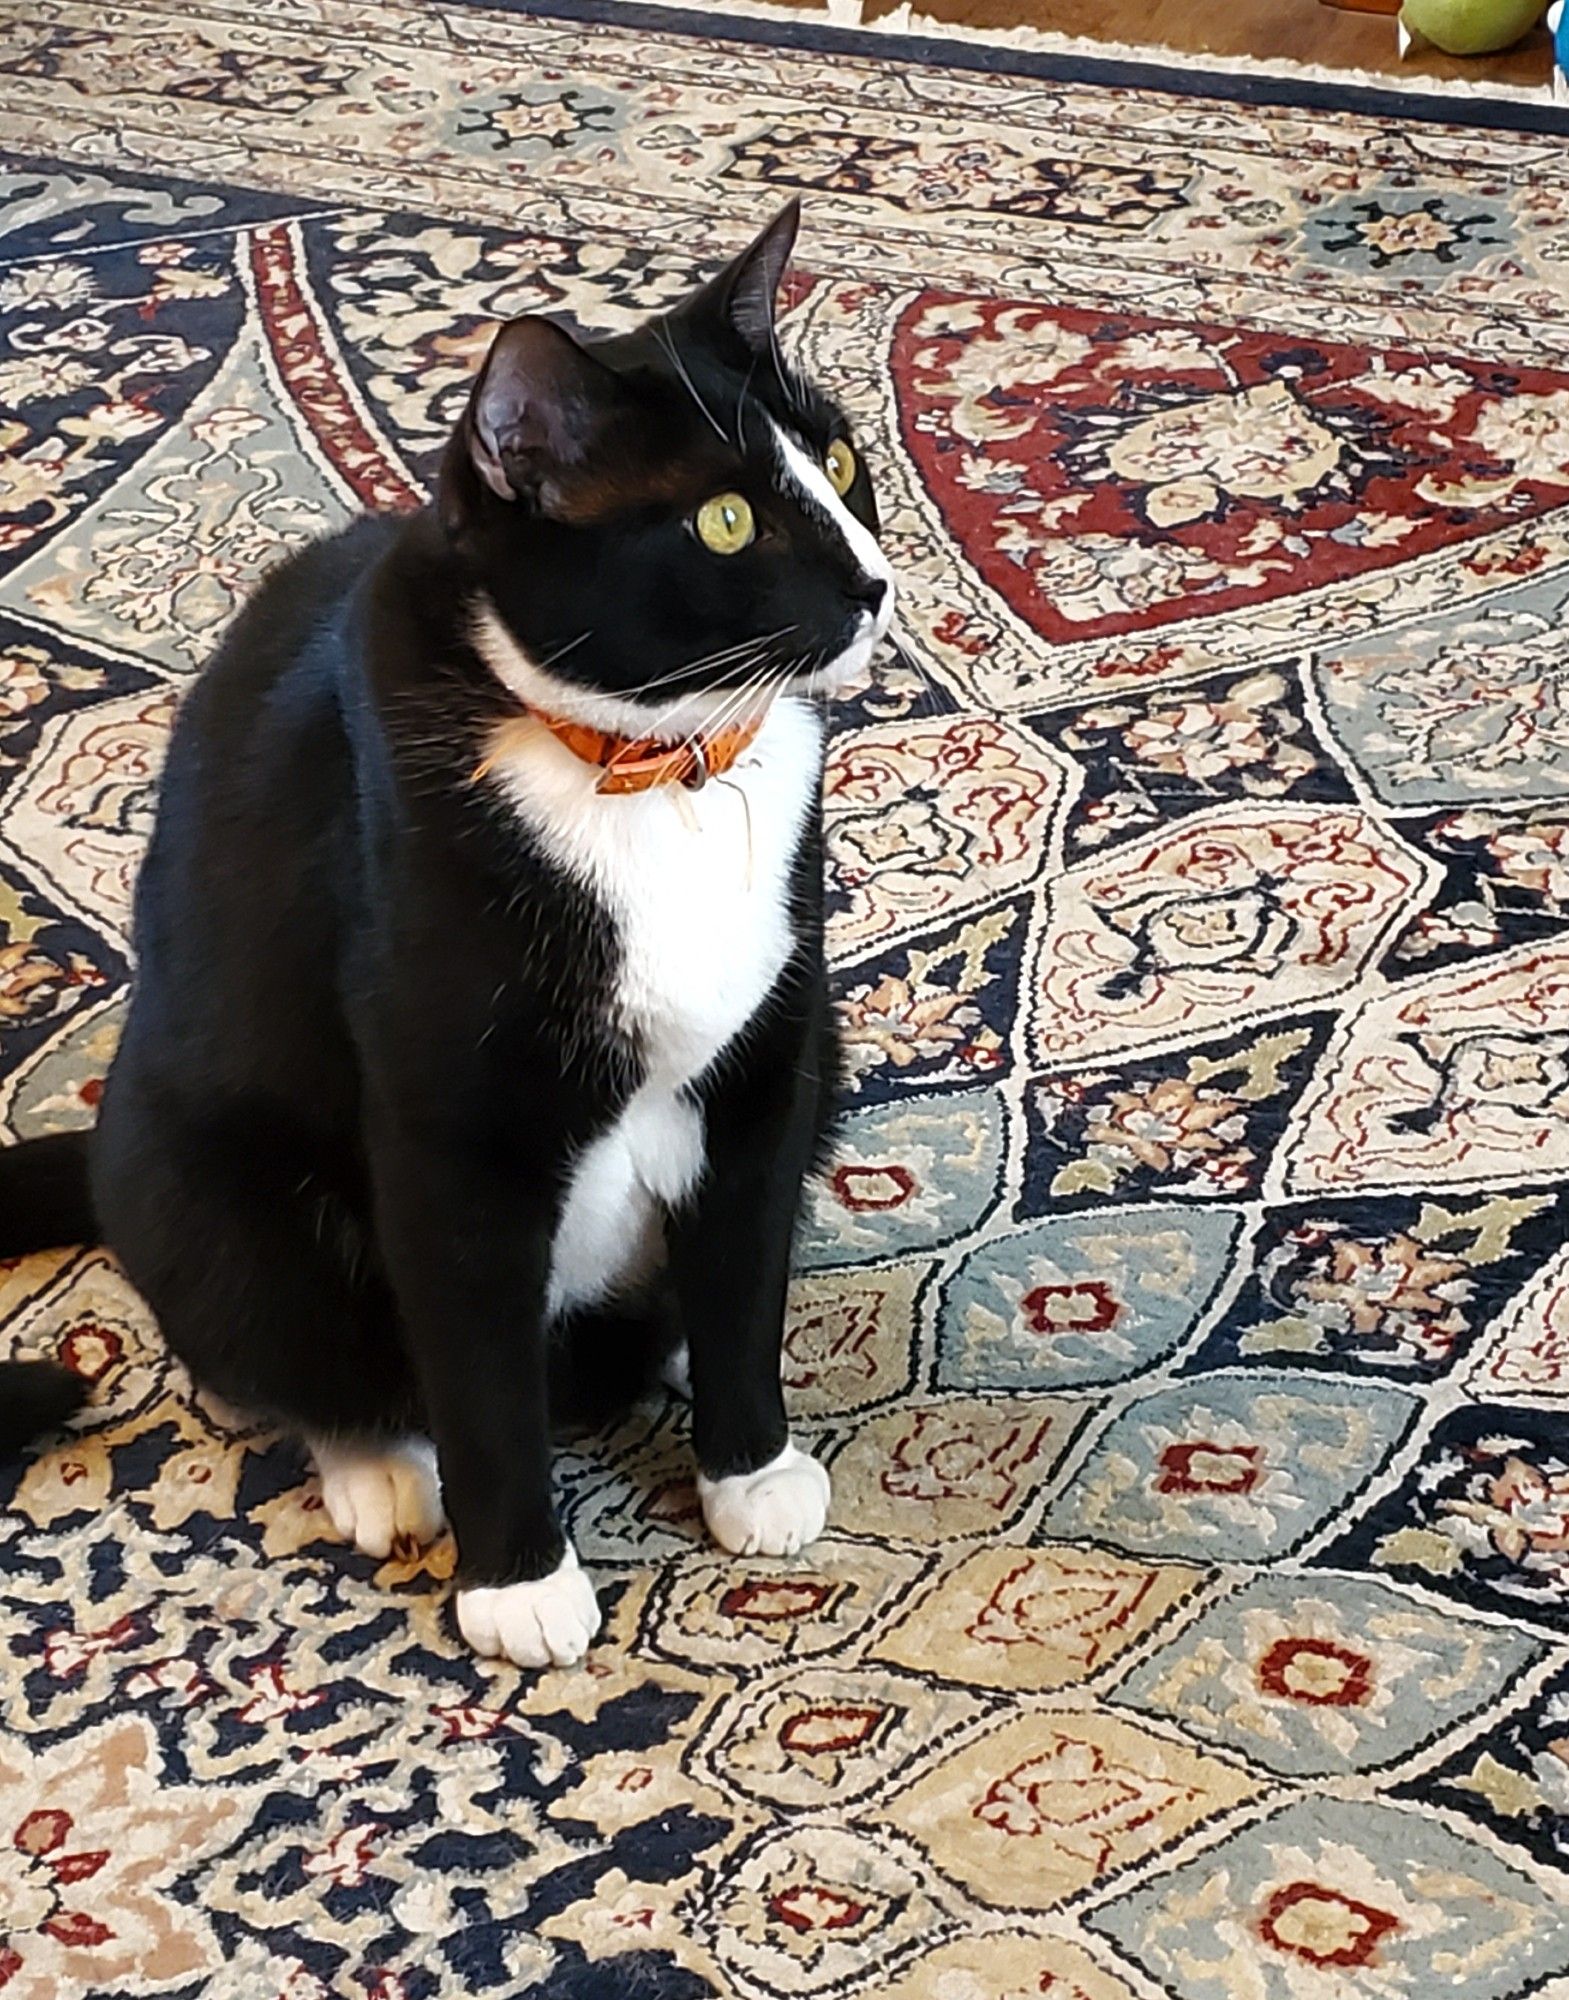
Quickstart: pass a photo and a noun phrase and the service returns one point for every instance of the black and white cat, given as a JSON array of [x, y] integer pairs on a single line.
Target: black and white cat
[[480, 1006]]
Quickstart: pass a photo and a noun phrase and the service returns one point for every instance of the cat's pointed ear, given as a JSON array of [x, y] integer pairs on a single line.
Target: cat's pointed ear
[[745, 294], [540, 407]]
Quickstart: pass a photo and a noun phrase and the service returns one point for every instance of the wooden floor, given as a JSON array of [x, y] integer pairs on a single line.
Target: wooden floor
[[1301, 30]]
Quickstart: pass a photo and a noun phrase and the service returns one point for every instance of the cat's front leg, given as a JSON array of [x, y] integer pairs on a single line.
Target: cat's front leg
[[467, 1244], [730, 1261]]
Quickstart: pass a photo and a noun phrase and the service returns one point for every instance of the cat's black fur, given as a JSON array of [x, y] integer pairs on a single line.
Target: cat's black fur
[[369, 1029]]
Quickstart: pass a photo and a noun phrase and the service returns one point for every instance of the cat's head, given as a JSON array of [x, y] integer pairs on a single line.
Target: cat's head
[[668, 525]]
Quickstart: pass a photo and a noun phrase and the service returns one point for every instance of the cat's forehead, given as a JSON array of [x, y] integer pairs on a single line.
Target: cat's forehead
[[697, 417], [682, 442], [718, 390]]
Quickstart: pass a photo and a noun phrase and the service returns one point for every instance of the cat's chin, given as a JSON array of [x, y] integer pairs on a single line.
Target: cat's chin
[[531, 682], [851, 668]]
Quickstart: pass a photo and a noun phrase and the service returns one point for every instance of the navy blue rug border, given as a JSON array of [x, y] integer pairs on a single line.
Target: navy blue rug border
[[1464, 110]]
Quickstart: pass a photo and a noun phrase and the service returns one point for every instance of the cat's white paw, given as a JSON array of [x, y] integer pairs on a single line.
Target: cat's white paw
[[774, 1511], [380, 1494], [675, 1371], [547, 1623]]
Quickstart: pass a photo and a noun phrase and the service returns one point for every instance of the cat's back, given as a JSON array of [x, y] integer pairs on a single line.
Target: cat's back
[[279, 660], [259, 737], [239, 898]]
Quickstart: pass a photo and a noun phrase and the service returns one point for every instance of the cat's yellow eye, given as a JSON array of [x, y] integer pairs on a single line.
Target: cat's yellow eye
[[840, 466], [725, 524]]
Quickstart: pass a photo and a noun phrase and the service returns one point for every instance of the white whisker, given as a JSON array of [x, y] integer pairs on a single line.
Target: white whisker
[[739, 656], [666, 340], [740, 408]]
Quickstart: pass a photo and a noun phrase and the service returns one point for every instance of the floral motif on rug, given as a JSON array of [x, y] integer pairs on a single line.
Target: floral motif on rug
[[1186, 1315]]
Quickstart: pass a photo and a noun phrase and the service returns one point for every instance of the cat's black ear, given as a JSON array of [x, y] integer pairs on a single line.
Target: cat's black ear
[[745, 294], [540, 407]]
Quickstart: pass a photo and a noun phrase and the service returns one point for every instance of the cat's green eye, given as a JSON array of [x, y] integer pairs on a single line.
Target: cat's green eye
[[840, 466], [725, 524]]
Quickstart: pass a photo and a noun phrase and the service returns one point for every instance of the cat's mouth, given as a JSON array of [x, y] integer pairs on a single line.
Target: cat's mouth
[[851, 666], [681, 712], [710, 709], [820, 678]]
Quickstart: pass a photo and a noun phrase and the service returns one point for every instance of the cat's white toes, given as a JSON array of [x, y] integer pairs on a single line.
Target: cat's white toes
[[774, 1511], [380, 1495], [675, 1371], [550, 1622]]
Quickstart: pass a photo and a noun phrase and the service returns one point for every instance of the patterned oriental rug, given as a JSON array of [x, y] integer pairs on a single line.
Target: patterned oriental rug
[[1187, 1320]]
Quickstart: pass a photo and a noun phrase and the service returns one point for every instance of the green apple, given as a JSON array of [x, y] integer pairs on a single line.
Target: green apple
[[1471, 27]]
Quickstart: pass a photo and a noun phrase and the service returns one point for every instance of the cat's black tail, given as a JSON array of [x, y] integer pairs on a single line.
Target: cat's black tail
[[45, 1199], [35, 1396], [45, 1203]]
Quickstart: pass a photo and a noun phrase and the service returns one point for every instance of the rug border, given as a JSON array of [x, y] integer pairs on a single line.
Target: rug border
[[1461, 109]]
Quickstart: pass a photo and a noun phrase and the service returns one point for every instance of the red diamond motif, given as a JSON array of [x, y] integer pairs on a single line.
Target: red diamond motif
[[1109, 473]]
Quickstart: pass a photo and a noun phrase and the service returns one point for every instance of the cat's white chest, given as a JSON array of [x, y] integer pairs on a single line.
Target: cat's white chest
[[697, 887], [701, 905]]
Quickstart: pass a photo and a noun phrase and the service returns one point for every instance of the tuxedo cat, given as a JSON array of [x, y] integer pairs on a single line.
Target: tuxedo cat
[[480, 1007]]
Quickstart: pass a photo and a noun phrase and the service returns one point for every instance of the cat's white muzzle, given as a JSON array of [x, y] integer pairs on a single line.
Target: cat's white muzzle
[[853, 663]]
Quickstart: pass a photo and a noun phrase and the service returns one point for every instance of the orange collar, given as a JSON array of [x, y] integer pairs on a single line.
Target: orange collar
[[638, 763]]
